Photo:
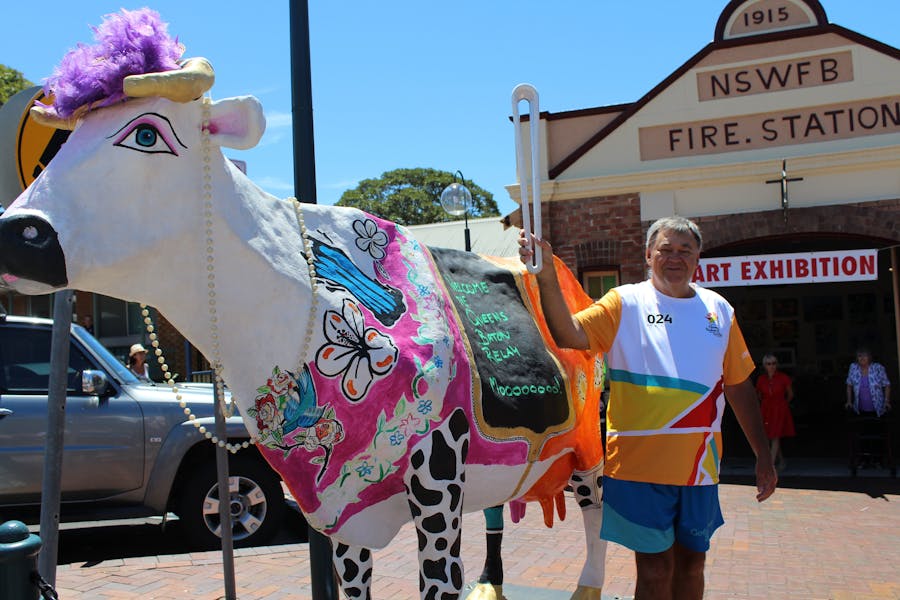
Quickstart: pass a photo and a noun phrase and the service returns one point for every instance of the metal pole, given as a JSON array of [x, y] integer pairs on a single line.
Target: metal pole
[[896, 283], [320, 554], [56, 426], [301, 104], [224, 495], [468, 238]]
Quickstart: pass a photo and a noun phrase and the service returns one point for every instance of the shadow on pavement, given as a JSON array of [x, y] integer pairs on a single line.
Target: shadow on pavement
[[96, 542], [875, 486]]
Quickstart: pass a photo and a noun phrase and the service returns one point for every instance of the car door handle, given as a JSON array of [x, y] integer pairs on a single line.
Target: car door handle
[[5, 412]]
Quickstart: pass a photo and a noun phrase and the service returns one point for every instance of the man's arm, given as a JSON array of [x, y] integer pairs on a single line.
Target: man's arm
[[567, 332], [742, 398]]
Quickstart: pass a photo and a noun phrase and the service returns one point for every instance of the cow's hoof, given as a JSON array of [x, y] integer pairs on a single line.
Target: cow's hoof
[[487, 591], [586, 593]]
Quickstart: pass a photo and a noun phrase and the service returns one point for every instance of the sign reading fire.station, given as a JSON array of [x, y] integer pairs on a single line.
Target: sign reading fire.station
[[770, 129]]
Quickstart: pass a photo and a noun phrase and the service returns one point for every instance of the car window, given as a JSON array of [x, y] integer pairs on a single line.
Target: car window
[[25, 361], [108, 361]]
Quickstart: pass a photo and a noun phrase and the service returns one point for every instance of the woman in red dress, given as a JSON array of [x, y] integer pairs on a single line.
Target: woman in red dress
[[775, 392]]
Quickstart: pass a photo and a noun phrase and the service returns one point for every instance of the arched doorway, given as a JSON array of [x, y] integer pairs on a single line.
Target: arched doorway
[[814, 329]]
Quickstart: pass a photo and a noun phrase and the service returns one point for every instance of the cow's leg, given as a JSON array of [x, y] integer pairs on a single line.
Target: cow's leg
[[490, 583], [435, 493], [353, 565], [586, 487]]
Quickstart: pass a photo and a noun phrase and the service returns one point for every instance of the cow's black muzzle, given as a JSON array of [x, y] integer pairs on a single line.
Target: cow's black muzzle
[[29, 249]]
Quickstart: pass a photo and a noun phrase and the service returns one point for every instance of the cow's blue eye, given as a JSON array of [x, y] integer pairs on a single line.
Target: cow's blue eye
[[151, 133], [145, 135]]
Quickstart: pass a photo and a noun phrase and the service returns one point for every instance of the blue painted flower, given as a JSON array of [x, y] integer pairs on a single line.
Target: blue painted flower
[[424, 406], [396, 438], [365, 469]]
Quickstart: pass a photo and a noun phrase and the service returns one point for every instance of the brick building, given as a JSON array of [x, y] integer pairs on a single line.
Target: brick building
[[781, 138]]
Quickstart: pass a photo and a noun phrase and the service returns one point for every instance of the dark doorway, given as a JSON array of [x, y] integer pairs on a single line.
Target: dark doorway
[[814, 330]]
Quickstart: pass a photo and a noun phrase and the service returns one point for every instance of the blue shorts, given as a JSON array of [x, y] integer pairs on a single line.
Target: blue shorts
[[650, 517]]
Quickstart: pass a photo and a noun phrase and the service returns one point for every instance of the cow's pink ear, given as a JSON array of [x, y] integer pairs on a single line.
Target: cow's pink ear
[[237, 122]]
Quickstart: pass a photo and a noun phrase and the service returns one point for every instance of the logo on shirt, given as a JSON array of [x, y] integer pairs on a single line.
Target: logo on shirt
[[712, 324]]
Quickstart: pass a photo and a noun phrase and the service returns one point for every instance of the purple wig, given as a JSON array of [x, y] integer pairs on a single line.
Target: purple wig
[[127, 43]]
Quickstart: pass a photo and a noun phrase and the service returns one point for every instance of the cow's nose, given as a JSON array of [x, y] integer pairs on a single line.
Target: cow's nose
[[29, 249]]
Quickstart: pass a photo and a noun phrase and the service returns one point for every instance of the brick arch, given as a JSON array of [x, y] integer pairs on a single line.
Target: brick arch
[[872, 219], [598, 231]]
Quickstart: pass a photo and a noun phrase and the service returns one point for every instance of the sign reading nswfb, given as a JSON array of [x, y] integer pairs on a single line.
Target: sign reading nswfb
[[777, 269]]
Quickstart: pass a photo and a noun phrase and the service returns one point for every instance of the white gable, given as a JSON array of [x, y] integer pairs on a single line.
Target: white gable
[[677, 130], [713, 137]]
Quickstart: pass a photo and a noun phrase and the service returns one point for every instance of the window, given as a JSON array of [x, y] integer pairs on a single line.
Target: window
[[25, 361], [14, 303], [117, 318], [597, 282]]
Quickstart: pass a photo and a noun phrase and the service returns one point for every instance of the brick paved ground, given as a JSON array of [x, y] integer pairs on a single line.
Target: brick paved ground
[[801, 544]]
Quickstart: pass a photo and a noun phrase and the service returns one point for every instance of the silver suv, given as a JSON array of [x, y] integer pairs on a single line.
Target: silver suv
[[129, 450]]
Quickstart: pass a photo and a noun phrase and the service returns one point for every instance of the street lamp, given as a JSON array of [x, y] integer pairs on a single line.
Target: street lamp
[[455, 200]]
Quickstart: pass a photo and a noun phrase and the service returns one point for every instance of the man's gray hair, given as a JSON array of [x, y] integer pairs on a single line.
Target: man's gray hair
[[678, 225]]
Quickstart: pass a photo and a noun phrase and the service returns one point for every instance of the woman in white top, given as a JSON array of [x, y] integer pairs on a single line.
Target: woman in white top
[[137, 362]]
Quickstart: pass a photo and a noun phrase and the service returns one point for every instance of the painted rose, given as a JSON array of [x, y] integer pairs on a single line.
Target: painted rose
[[329, 432], [267, 414], [281, 383]]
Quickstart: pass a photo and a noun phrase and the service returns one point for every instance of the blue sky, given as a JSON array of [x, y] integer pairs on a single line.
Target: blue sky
[[415, 83]]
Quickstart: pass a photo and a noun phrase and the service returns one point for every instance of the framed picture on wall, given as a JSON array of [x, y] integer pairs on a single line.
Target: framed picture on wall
[[784, 308], [861, 307], [784, 330], [753, 309], [823, 308], [756, 334], [786, 357]]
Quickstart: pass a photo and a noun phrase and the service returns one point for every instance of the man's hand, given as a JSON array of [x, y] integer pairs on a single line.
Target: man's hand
[[766, 480], [565, 329], [527, 243], [743, 401]]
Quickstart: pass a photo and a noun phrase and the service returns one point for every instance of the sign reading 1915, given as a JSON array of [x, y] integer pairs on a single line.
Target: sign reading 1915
[[761, 16], [767, 16]]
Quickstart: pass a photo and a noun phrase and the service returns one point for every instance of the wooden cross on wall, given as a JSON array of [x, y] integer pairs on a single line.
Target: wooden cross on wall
[[784, 180]]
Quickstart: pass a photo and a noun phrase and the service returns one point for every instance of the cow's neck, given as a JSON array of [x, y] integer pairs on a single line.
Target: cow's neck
[[261, 285]]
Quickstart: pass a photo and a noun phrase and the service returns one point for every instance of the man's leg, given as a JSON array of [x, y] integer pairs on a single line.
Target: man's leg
[[688, 580], [655, 575]]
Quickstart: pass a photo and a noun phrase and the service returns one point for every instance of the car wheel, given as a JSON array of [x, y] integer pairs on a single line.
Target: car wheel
[[256, 503]]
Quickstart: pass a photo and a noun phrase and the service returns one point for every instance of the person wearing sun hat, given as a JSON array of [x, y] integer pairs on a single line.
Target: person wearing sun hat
[[137, 362]]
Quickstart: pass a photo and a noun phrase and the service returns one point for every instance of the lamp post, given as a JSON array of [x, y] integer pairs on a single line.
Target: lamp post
[[455, 200]]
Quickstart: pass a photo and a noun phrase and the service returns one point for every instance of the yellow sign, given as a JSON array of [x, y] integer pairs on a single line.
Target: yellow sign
[[36, 144]]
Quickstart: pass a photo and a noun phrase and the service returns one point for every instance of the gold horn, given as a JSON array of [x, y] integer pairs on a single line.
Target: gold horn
[[183, 85], [47, 116]]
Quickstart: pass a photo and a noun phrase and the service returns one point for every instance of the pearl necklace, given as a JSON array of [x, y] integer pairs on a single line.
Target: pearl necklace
[[213, 318], [311, 269]]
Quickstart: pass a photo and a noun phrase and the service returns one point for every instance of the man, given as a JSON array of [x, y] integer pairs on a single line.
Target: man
[[673, 349]]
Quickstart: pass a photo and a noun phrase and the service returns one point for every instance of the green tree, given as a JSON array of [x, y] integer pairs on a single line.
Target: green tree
[[413, 197], [11, 83]]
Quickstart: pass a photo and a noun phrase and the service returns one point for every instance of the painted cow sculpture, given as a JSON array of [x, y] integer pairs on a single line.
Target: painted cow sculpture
[[385, 381]]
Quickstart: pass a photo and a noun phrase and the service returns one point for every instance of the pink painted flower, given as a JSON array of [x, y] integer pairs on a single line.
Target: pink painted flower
[[409, 424]]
